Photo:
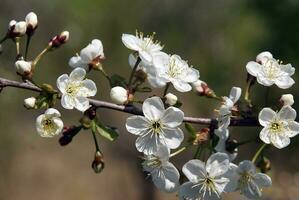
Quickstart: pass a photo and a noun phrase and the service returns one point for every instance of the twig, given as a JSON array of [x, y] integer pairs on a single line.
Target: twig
[[130, 109]]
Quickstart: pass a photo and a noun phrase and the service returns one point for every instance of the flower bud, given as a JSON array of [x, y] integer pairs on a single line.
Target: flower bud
[[264, 164], [68, 133], [30, 102], [119, 95], [31, 21], [23, 67], [17, 29], [287, 100], [202, 136], [171, 99], [202, 88], [98, 163], [60, 39]]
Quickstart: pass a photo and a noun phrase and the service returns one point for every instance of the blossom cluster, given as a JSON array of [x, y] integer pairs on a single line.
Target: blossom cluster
[[212, 171]]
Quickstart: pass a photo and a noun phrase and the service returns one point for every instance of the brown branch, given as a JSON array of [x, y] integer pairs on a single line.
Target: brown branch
[[130, 108]]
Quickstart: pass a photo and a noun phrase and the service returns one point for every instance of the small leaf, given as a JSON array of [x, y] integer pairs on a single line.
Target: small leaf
[[107, 132], [190, 129]]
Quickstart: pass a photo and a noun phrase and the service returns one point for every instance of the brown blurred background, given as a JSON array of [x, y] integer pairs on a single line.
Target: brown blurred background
[[217, 37]]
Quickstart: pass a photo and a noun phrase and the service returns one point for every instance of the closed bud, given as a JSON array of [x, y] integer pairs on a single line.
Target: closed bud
[[119, 95], [30, 102], [31, 21], [264, 164], [17, 29], [23, 67], [91, 113], [68, 133], [48, 88], [11, 25], [287, 100], [202, 136], [202, 88], [98, 163], [171, 99], [59, 40]]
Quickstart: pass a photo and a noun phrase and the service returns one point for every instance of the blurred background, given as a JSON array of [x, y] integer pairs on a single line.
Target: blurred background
[[217, 37]]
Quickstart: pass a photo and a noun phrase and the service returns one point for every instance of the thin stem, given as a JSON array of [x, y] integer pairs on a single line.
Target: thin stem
[[178, 151], [35, 61], [166, 89], [27, 45], [95, 141], [247, 91], [106, 75], [258, 153], [17, 42], [198, 152], [133, 71]]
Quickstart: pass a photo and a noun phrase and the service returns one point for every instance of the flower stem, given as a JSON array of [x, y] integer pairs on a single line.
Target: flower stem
[[96, 141], [247, 92], [106, 75], [17, 42], [166, 89], [198, 152], [133, 71], [35, 61], [27, 46], [258, 153], [178, 151]]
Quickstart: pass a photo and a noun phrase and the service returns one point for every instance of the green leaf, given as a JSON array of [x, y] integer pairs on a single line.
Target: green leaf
[[107, 132], [190, 129]]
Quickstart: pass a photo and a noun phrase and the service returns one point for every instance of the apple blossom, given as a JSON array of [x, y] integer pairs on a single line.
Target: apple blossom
[[279, 127], [145, 46], [75, 90], [49, 124], [175, 70], [269, 71], [287, 99], [158, 126], [164, 174], [119, 95], [90, 55]]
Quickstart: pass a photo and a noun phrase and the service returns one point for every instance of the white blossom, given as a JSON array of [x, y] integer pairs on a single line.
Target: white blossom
[[30, 102], [206, 181], [75, 90], [49, 124], [151, 72], [164, 174], [92, 53], [157, 127], [247, 180], [225, 111], [287, 99], [269, 71], [175, 70], [221, 146], [31, 20], [145, 46], [119, 95], [23, 67], [19, 28], [279, 127], [171, 99]]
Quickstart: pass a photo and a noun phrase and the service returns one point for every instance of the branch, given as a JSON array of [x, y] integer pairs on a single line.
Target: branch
[[130, 108]]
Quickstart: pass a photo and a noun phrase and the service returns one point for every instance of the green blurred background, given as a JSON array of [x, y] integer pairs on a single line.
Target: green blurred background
[[218, 37]]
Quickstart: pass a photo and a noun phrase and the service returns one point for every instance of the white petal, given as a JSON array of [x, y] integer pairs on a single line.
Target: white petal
[[67, 102], [91, 51], [172, 117], [189, 191], [280, 141], [264, 80], [235, 94], [233, 176], [181, 86], [192, 75], [52, 112], [287, 113], [62, 82], [247, 166], [156, 82], [131, 42], [166, 178], [59, 124], [194, 170], [38, 124], [265, 135], [136, 124], [294, 129], [145, 56], [288, 69], [266, 116], [251, 190], [78, 74], [161, 60], [153, 108], [217, 164], [264, 56], [76, 61], [253, 68], [172, 137], [284, 82], [81, 103], [89, 88], [262, 180], [163, 154], [148, 143]]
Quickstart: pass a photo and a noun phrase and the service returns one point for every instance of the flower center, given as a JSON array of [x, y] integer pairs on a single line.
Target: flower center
[[174, 70], [207, 185], [156, 126], [73, 88], [148, 41], [48, 125], [245, 178], [152, 161], [272, 68], [276, 127]]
